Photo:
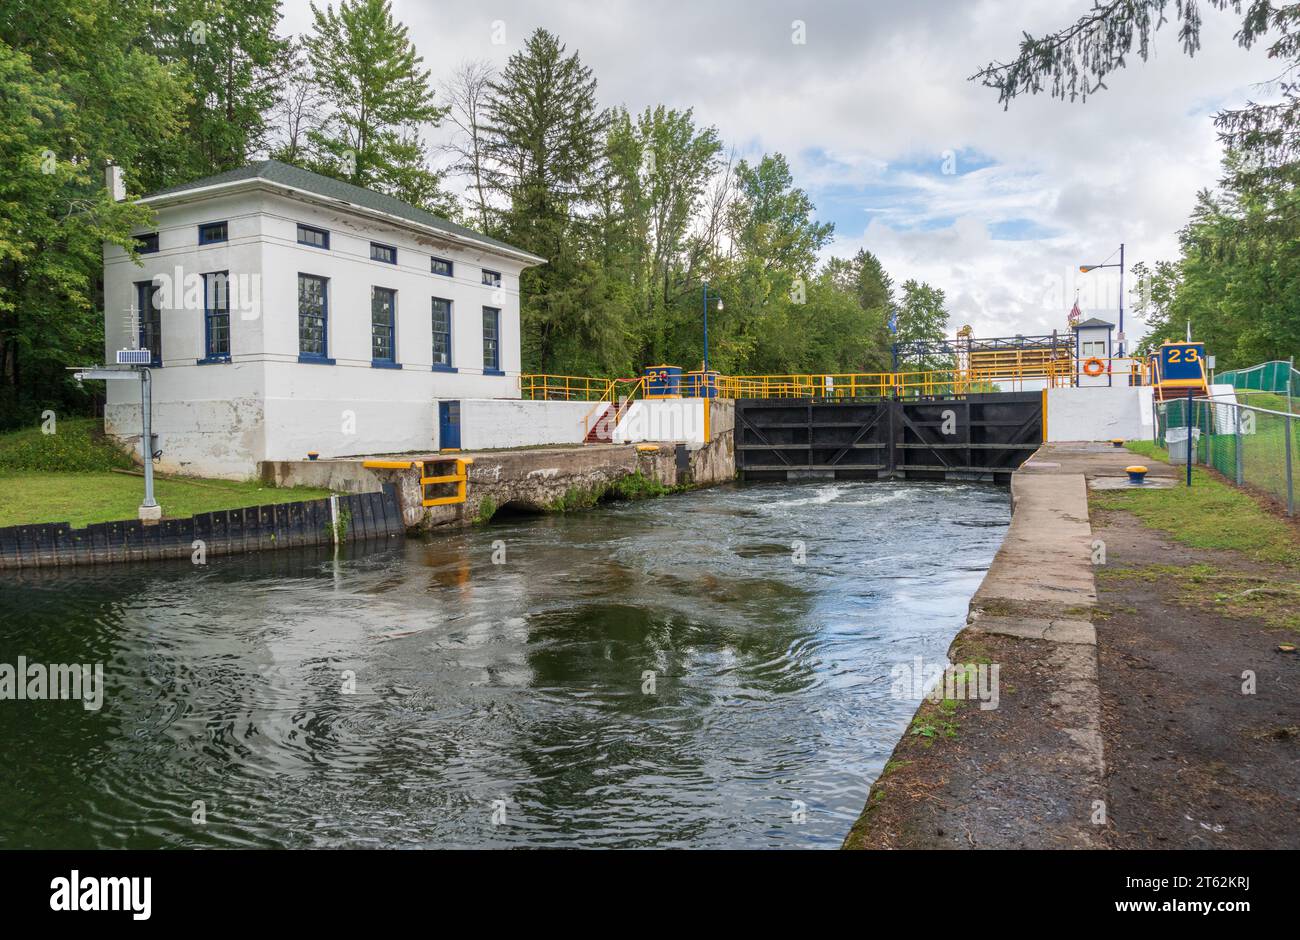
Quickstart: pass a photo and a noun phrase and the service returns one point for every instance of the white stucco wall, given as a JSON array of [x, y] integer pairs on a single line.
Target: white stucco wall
[[486, 424], [208, 420], [222, 419], [1099, 413], [671, 419]]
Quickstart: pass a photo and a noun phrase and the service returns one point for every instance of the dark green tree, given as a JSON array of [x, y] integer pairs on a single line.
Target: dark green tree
[[774, 244], [378, 101], [923, 316], [76, 89], [661, 165], [542, 138], [1236, 280], [234, 62]]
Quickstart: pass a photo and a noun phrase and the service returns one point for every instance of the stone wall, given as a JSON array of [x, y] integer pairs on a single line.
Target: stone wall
[[531, 480]]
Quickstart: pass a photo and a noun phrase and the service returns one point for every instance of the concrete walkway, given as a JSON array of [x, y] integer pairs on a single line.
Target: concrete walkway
[[1041, 588], [1029, 774]]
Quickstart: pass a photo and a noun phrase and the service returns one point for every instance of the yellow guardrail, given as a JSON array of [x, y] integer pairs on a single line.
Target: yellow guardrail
[[565, 387], [1056, 373], [619, 395], [460, 477]]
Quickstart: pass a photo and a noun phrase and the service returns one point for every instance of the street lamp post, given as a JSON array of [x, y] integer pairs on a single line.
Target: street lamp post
[[1085, 268], [718, 298]]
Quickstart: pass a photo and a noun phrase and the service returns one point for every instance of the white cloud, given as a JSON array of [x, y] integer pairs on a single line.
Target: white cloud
[[879, 85]]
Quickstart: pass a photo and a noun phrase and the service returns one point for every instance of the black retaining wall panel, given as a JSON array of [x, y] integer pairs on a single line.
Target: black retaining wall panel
[[227, 532]]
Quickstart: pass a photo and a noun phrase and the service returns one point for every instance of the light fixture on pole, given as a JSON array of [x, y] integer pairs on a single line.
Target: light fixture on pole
[[1085, 268]]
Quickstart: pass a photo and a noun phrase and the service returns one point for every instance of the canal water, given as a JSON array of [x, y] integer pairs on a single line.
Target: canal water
[[711, 669]]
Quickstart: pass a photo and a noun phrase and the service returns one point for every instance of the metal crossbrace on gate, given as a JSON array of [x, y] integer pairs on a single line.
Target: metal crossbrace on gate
[[961, 436]]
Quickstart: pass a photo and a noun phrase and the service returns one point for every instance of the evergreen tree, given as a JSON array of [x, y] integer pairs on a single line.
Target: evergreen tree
[[379, 98], [1074, 62], [542, 141]]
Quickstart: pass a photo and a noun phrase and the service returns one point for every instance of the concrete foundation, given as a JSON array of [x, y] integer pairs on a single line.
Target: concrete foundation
[[530, 480]]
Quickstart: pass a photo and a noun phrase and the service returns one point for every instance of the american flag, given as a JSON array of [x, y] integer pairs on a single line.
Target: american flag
[[1075, 313]]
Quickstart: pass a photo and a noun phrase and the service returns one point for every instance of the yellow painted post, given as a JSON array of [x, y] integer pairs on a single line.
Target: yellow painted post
[[1044, 416]]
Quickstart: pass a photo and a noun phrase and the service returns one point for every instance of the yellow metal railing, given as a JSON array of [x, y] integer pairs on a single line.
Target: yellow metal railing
[[1129, 369], [565, 387], [460, 478], [620, 394], [1055, 373]]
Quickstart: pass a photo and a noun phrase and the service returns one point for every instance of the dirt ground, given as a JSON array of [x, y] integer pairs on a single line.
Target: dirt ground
[[1193, 691], [925, 797], [1191, 760]]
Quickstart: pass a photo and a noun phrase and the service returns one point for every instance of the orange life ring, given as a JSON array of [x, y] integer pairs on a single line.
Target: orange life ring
[[1094, 367]]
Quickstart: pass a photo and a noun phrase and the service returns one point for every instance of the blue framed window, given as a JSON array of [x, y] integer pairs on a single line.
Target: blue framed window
[[149, 305], [212, 232], [146, 244], [441, 266], [313, 317], [491, 339], [384, 253], [491, 278], [383, 325], [441, 333], [216, 316], [315, 237]]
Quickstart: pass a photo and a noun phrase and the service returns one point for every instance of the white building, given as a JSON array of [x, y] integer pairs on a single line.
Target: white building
[[287, 312]]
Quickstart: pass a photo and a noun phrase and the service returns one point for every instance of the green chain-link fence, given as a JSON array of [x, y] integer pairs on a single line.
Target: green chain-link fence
[[1271, 385], [1249, 445]]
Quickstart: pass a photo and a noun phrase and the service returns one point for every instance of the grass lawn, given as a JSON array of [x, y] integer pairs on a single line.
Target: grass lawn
[[67, 476], [1209, 514], [1270, 400], [1215, 515], [82, 498]]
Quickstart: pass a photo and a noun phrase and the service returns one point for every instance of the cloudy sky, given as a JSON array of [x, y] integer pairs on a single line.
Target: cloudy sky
[[867, 108]]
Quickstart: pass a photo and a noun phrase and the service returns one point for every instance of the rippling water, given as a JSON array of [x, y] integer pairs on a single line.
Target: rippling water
[[519, 682]]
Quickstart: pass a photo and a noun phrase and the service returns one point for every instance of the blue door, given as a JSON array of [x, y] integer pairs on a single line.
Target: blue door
[[449, 425]]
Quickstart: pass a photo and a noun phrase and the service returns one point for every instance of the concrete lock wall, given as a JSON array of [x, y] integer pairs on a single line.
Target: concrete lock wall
[[491, 424], [223, 419], [533, 479], [1099, 414], [671, 419]]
